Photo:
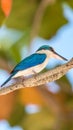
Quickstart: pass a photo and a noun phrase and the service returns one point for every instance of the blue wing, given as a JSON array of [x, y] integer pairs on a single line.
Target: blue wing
[[30, 61], [7, 80], [33, 60]]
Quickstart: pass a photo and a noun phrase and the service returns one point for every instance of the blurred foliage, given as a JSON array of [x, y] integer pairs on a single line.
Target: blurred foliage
[[51, 22], [2, 17], [65, 85], [6, 105], [36, 98], [56, 110], [17, 114], [43, 120], [22, 14]]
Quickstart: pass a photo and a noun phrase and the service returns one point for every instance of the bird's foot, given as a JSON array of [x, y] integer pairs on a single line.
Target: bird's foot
[[35, 74], [20, 79]]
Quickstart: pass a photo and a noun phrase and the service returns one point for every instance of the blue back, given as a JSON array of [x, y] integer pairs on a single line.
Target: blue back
[[30, 61]]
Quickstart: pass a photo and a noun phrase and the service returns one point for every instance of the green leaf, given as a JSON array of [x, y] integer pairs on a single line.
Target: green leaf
[[53, 19], [69, 2], [17, 114], [22, 14], [2, 16], [15, 49]]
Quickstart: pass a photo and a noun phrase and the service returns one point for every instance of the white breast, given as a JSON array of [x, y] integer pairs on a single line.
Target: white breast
[[32, 70]]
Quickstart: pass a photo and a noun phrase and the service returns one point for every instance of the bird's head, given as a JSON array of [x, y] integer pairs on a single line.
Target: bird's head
[[50, 52]]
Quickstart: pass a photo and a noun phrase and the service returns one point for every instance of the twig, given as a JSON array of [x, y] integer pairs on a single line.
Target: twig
[[38, 17], [40, 79]]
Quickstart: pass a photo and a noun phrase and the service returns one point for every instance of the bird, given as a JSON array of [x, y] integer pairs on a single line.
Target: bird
[[34, 63]]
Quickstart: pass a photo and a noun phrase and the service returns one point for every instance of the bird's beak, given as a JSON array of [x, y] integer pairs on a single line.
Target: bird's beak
[[57, 56]]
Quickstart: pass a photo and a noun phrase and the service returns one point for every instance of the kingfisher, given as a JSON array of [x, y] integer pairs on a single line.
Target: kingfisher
[[34, 63]]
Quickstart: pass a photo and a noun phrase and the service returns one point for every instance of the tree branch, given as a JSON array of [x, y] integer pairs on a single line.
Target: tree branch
[[40, 79]]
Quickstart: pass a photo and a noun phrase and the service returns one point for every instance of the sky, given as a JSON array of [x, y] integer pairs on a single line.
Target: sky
[[4, 125]]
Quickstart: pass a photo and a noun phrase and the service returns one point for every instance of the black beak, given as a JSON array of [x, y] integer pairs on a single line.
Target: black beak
[[59, 56]]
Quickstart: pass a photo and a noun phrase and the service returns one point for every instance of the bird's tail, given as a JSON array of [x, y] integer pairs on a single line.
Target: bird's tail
[[7, 80]]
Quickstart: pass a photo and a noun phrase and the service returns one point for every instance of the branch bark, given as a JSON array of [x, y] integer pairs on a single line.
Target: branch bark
[[39, 79]]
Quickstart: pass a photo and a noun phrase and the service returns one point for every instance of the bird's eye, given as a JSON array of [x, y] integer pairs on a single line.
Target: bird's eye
[[52, 49]]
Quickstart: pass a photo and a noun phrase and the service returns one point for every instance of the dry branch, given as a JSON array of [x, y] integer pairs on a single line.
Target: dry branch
[[40, 79]]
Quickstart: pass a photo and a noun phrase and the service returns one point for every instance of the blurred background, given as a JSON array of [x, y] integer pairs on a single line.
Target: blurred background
[[25, 25]]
